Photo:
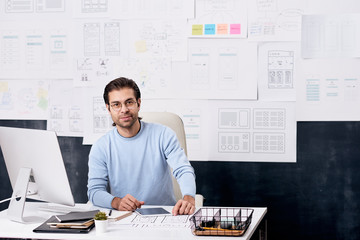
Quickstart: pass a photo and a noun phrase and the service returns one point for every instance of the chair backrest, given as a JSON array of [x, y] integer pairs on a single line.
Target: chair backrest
[[174, 122]]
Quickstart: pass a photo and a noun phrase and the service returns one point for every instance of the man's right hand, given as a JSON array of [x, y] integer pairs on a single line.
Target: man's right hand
[[127, 203]]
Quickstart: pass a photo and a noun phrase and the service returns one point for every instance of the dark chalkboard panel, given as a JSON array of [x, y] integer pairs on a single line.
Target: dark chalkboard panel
[[316, 198]]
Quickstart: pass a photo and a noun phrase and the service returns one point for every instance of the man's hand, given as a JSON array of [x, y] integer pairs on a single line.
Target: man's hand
[[127, 203], [184, 206]]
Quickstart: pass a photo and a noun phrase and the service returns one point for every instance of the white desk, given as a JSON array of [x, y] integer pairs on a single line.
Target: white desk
[[10, 229]]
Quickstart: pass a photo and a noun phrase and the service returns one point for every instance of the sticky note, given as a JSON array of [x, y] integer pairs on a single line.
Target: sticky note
[[4, 87], [140, 46], [197, 29], [209, 29], [235, 28], [222, 29]]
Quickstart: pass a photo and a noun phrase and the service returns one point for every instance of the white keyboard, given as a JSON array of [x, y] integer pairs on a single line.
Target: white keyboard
[[60, 209]]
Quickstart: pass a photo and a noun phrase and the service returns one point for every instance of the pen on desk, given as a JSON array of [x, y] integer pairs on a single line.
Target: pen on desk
[[110, 212]]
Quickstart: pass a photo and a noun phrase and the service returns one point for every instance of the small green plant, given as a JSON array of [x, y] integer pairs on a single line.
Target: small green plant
[[100, 216]]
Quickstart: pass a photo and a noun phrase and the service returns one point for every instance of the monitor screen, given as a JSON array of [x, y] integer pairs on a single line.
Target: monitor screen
[[39, 151]]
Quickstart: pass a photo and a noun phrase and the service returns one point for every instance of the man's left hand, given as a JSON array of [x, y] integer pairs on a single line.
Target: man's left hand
[[184, 206]]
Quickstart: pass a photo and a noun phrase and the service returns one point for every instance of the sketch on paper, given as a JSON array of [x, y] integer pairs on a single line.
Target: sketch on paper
[[94, 6], [267, 120], [200, 69], [275, 20], [102, 121], [228, 68], [91, 39], [234, 118], [281, 69], [269, 142], [236, 142], [166, 221]]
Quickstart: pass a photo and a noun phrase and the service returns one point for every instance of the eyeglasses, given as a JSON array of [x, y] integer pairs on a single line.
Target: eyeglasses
[[129, 104]]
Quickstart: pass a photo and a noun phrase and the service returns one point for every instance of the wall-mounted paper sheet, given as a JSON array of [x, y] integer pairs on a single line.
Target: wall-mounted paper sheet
[[330, 36], [278, 20], [277, 69], [219, 19]]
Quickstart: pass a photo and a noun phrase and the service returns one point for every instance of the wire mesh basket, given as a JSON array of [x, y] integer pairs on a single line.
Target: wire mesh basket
[[221, 221]]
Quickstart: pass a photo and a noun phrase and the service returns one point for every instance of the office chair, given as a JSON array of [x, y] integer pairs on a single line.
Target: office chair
[[174, 122]]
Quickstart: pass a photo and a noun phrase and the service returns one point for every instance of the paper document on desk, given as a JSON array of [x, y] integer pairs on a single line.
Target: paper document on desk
[[166, 221], [118, 215]]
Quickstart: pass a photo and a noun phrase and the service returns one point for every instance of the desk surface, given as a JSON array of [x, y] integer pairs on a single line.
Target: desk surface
[[10, 229]]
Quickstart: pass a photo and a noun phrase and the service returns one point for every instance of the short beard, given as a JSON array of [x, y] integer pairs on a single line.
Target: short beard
[[129, 125]]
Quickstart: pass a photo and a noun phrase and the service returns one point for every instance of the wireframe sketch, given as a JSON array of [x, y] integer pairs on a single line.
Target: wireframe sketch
[[273, 118], [280, 69], [234, 118], [269, 142], [235, 142]]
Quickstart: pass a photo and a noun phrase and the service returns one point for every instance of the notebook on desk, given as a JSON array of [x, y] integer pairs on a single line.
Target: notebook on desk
[[75, 216], [45, 228]]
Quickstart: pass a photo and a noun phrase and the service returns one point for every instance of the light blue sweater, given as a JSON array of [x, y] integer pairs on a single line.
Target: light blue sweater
[[139, 166]]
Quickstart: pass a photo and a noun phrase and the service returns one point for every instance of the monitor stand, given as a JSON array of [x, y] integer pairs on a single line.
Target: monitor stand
[[16, 207]]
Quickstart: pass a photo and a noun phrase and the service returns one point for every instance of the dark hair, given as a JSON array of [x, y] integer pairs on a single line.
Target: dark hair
[[119, 83]]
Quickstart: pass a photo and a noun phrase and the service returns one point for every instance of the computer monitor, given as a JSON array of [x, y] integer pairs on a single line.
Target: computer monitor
[[36, 169]]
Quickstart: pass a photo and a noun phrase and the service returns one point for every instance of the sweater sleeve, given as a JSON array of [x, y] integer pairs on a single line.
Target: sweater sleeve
[[98, 178], [178, 161]]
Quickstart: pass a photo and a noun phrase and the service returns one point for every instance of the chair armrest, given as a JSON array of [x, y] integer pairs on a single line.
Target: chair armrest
[[199, 200]]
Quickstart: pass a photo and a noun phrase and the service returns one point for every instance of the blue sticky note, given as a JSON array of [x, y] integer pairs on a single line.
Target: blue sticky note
[[209, 29]]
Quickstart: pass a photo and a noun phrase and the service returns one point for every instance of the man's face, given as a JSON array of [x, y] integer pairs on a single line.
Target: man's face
[[127, 114]]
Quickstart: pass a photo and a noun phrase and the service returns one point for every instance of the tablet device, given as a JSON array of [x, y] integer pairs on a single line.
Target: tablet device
[[152, 211]]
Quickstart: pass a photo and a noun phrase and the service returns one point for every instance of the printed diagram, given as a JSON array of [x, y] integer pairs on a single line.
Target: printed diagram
[[144, 219], [234, 118], [10, 57], [228, 69], [234, 142], [91, 39], [112, 38], [90, 69], [58, 51], [200, 68], [265, 119], [159, 39], [167, 221], [94, 6], [102, 122], [280, 69], [312, 89], [26, 6], [6, 98], [269, 143], [269, 118], [273, 17]]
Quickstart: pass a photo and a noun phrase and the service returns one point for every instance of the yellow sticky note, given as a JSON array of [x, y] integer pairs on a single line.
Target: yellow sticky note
[[197, 29], [4, 87], [222, 29], [140, 46], [42, 93]]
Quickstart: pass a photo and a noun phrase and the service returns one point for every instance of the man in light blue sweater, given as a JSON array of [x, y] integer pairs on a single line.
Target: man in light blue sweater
[[133, 159]]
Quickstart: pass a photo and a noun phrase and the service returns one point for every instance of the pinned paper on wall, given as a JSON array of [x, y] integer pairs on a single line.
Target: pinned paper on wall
[[219, 19], [325, 36], [24, 99], [275, 20]]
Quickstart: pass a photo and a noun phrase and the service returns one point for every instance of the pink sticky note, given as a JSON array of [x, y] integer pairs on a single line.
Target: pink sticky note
[[222, 29], [235, 28]]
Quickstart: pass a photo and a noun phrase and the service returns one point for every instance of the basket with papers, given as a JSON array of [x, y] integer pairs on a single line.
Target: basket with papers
[[221, 221]]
